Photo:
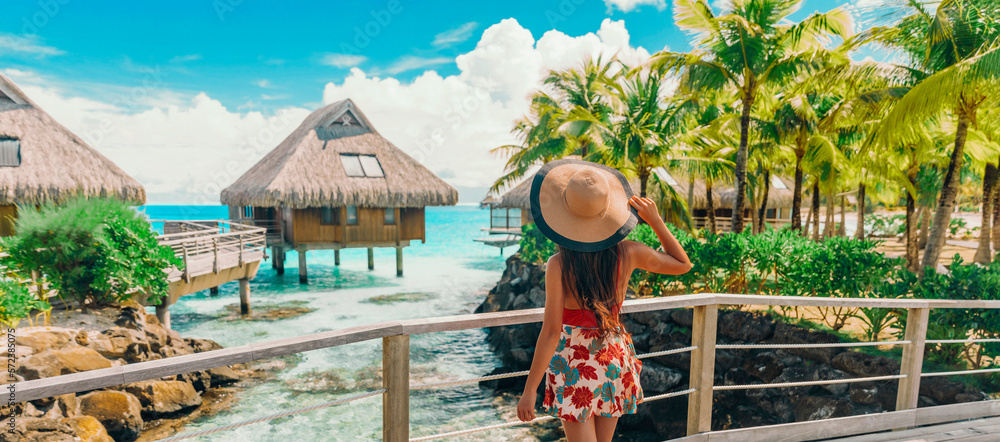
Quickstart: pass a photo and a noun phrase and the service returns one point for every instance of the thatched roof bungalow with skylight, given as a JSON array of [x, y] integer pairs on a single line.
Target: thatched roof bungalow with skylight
[[336, 183], [41, 161]]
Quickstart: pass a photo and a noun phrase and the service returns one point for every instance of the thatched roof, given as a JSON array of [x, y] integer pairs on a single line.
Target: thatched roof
[[306, 169], [55, 164], [723, 194]]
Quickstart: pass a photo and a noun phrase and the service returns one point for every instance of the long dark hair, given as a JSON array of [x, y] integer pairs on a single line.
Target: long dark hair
[[592, 279]]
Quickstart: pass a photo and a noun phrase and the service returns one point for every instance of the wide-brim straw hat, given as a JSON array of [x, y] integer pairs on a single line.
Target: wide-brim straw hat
[[582, 206]]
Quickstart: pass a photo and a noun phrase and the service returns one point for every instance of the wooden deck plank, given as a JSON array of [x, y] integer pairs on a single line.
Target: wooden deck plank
[[965, 431]]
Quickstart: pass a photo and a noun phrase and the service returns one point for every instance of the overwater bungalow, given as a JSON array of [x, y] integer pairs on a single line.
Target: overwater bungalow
[[42, 161], [336, 183]]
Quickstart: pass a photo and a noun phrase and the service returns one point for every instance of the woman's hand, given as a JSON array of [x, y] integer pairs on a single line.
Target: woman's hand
[[526, 407], [646, 209]]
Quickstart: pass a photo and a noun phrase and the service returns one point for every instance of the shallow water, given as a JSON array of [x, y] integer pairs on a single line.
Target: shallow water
[[447, 275]]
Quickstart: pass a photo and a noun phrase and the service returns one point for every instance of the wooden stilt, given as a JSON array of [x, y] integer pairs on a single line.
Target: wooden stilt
[[163, 313], [245, 296], [396, 381], [399, 261], [303, 273], [214, 291], [336, 257], [371, 258], [278, 259]]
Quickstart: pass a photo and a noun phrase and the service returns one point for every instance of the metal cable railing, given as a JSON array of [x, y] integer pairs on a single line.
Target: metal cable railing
[[807, 383], [818, 345]]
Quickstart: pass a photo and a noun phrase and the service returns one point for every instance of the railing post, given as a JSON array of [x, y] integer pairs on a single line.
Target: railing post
[[187, 268], [702, 377], [240, 238], [913, 358], [396, 381], [215, 252]]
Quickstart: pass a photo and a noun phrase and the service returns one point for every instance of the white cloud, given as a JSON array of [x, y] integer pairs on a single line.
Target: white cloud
[[264, 83], [630, 5], [342, 60], [186, 58], [29, 44], [457, 35], [412, 62], [451, 123], [186, 147]]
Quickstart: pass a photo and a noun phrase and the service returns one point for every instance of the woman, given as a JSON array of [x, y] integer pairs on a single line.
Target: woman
[[583, 353]]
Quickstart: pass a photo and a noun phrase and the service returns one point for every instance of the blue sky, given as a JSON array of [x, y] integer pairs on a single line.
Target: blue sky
[[194, 79]]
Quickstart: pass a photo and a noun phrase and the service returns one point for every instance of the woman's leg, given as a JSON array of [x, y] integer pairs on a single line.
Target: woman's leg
[[604, 427], [580, 431]]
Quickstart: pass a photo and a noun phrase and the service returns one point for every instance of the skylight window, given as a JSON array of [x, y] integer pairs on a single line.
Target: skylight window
[[361, 165], [10, 152], [777, 183]]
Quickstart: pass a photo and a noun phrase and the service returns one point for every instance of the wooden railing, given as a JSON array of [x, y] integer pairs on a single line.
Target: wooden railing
[[210, 246], [396, 377]]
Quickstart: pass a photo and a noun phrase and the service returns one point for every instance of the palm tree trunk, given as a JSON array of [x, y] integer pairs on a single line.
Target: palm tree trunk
[[984, 254], [741, 165], [797, 194], [815, 209], [809, 217], [691, 195], [762, 214], [996, 217], [828, 229], [925, 226], [842, 228], [711, 206], [860, 232], [643, 177], [912, 258], [942, 218]]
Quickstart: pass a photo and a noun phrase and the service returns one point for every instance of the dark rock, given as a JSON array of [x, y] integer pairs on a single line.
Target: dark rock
[[137, 352], [680, 361], [828, 373], [738, 376], [131, 318], [772, 401], [940, 389], [787, 359], [641, 342], [746, 326], [522, 302], [765, 366], [865, 365], [537, 297], [970, 397], [656, 378], [506, 384], [684, 317], [200, 380], [659, 334], [864, 393], [811, 408], [724, 360], [746, 417], [790, 334]]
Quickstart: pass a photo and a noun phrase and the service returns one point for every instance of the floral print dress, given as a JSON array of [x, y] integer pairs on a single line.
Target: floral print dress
[[590, 376]]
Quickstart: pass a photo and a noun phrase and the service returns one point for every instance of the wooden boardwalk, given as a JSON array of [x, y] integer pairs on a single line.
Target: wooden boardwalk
[[976, 430]]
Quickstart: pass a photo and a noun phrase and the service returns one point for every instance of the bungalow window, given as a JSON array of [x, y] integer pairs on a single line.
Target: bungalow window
[[356, 165], [329, 216], [10, 152], [248, 211], [390, 215], [352, 215]]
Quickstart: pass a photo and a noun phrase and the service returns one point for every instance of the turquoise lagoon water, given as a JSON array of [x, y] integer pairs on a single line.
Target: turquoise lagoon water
[[445, 276]]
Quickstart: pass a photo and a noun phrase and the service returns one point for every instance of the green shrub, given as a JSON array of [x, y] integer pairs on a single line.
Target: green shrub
[[535, 247], [95, 251], [17, 303], [885, 225]]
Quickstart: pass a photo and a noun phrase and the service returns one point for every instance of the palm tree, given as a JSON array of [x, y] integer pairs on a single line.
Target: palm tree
[[749, 48], [551, 131], [956, 47]]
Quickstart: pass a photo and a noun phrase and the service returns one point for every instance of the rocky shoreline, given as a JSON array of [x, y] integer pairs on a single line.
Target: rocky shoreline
[[147, 410], [522, 286]]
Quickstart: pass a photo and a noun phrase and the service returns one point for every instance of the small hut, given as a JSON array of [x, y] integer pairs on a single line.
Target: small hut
[[779, 201], [336, 183], [41, 161]]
